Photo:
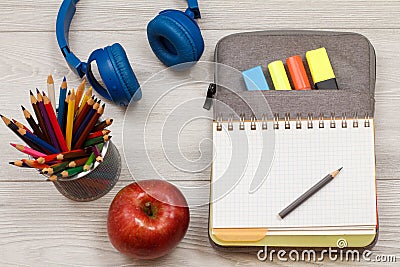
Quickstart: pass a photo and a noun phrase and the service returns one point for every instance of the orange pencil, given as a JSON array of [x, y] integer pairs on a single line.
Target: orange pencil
[[34, 164], [86, 97], [79, 93]]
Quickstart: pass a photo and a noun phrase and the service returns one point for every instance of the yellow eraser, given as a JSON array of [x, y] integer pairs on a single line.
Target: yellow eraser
[[320, 65], [279, 76]]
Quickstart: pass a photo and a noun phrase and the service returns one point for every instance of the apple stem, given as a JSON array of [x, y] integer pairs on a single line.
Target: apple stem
[[148, 209]]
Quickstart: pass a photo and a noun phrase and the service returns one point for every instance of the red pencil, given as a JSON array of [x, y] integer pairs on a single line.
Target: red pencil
[[54, 124], [73, 154], [98, 134]]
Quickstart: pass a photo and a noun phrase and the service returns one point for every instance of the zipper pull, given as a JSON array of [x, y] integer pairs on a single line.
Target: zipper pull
[[212, 89]]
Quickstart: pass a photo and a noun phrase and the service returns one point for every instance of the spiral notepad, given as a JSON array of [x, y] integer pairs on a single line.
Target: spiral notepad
[[261, 166]]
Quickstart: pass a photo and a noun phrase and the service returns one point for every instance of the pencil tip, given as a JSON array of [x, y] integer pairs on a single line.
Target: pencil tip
[[104, 105], [23, 108], [65, 79], [30, 92], [50, 79], [44, 94], [14, 145], [1, 116], [37, 91], [340, 168]]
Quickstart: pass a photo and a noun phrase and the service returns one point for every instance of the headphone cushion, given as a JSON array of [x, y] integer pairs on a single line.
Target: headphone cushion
[[124, 70], [175, 38]]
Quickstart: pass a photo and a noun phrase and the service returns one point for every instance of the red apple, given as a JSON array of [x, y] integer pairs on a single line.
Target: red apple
[[147, 219]]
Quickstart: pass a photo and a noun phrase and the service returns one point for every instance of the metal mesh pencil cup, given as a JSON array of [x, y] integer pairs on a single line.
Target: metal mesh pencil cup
[[92, 185]]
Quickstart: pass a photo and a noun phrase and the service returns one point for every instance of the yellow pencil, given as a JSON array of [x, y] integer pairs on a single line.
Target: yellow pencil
[[70, 119], [79, 93], [86, 97]]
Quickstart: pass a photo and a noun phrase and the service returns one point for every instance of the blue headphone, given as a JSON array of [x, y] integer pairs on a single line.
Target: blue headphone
[[174, 37]]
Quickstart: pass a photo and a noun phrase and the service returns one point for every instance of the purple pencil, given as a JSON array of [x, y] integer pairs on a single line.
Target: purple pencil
[[47, 121]]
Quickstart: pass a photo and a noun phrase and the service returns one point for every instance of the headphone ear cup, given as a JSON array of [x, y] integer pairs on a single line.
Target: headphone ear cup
[[124, 71], [175, 38]]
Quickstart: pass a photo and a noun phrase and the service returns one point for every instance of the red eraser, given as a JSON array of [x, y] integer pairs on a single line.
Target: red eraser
[[298, 73]]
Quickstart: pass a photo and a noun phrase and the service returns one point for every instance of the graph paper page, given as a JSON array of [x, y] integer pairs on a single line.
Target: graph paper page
[[299, 159]]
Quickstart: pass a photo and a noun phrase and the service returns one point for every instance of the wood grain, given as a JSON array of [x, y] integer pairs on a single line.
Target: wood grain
[[75, 234], [40, 15], [39, 227]]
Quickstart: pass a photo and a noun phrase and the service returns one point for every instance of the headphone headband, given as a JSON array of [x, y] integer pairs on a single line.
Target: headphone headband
[[64, 19]]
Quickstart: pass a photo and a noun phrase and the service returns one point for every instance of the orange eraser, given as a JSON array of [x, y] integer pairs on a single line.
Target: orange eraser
[[298, 73]]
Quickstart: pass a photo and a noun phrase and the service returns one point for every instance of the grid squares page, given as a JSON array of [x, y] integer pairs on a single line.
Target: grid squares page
[[283, 164]]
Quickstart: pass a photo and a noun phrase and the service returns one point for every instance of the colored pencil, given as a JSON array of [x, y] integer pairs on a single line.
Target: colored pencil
[[54, 123], [32, 122], [40, 118], [70, 119], [86, 97], [81, 116], [98, 134], [97, 140], [102, 125], [20, 125], [77, 162], [309, 193], [55, 168], [49, 127], [85, 122], [36, 140], [15, 128], [79, 93], [29, 151], [61, 102], [73, 154], [34, 164], [89, 127], [51, 92], [91, 159], [19, 163], [67, 173], [63, 127], [97, 154]]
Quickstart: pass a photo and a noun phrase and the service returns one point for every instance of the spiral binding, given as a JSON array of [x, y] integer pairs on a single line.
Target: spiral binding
[[311, 122]]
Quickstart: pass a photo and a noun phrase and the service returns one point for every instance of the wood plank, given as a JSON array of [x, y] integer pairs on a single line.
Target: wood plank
[[24, 69], [40, 15], [34, 215]]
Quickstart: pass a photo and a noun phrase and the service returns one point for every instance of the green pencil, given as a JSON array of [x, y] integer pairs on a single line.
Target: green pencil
[[91, 159]]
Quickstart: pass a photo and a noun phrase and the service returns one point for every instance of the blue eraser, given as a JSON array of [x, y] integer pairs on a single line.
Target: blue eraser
[[255, 79]]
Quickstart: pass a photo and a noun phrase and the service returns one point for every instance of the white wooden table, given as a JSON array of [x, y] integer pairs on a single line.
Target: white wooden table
[[39, 227]]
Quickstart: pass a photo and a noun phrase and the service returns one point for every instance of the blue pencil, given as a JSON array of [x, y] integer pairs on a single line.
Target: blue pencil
[[61, 102], [85, 122], [33, 138]]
